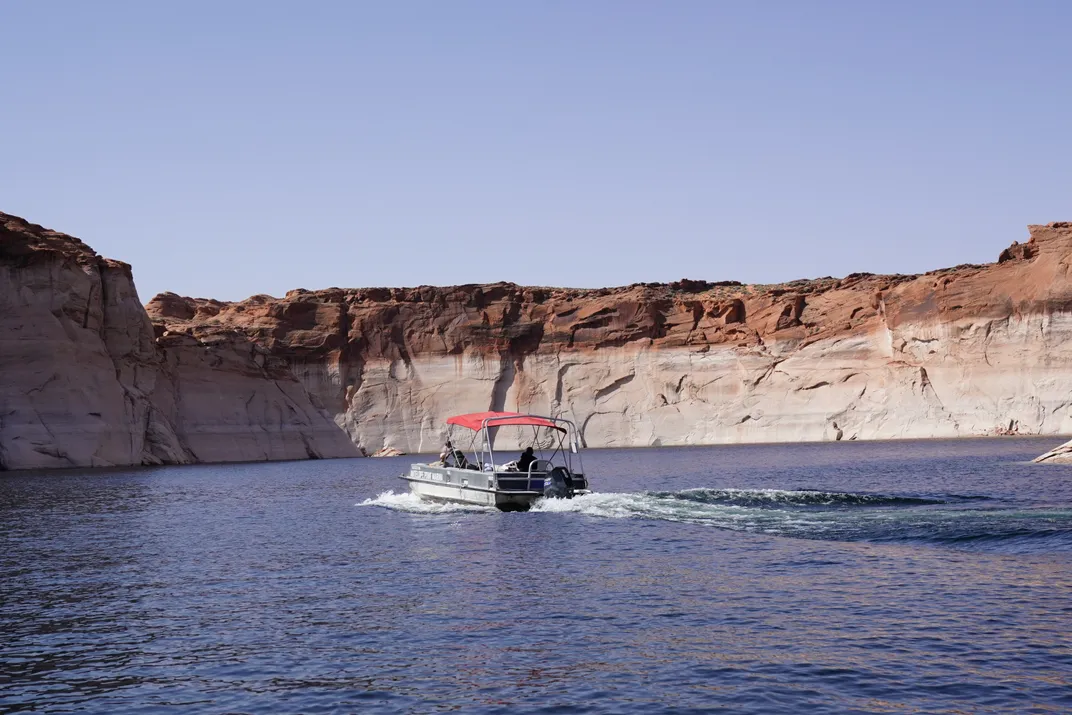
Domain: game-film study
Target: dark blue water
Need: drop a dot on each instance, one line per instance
(896, 577)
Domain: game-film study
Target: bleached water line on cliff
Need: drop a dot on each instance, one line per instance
(971, 378)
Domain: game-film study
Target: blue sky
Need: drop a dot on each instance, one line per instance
(233, 148)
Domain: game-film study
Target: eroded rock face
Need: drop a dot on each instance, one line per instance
(77, 364)
(232, 401)
(972, 350)
(84, 380)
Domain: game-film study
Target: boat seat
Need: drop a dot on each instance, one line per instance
(538, 467)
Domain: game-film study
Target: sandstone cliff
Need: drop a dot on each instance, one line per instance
(972, 350)
(85, 380)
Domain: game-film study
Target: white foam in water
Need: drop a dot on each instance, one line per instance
(786, 513)
(644, 506)
(605, 504)
(409, 502)
(735, 517)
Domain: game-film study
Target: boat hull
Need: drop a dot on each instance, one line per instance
(508, 491)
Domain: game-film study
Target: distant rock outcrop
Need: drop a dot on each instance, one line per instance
(1058, 455)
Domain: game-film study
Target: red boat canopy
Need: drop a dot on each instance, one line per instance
(475, 421)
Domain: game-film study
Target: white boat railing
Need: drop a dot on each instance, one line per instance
(568, 442)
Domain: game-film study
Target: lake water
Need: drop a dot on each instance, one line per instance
(858, 577)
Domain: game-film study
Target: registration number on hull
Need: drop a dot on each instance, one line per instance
(429, 476)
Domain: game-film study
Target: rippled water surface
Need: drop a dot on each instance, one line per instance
(895, 577)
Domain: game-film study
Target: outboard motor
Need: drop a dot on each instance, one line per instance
(559, 484)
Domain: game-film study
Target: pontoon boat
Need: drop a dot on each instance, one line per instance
(555, 472)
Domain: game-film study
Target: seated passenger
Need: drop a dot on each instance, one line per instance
(452, 457)
(526, 459)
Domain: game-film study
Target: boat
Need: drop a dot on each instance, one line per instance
(556, 471)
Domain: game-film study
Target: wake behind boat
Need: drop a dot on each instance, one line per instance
(550, 468)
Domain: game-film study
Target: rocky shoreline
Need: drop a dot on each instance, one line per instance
(88, 377)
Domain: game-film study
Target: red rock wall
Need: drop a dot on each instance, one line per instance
(371, 355)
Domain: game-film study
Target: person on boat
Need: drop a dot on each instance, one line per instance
(527, 458)
(451, 454)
